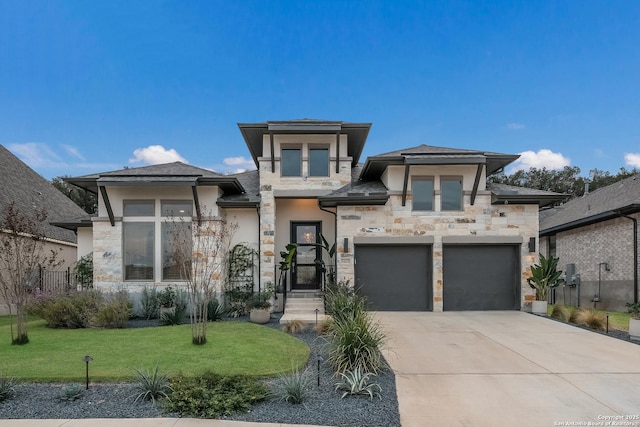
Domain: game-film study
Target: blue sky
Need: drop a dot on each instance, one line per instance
(92, 86)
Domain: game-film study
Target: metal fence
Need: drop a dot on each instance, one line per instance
(45, 281)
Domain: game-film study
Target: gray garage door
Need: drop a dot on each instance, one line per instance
(395, 277)
(481, 277)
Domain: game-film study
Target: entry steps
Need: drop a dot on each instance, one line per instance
(302, 306)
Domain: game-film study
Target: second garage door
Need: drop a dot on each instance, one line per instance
(481, 277)
(395, 277)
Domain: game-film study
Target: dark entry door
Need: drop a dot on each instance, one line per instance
(305, 273)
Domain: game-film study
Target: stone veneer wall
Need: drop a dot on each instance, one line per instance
(481, 219)
(608, 241)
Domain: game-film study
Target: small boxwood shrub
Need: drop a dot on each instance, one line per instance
(212, 395)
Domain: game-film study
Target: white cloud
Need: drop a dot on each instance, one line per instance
(632, 159)
(73, 151)
(36, 154)
(515, 126)
(241, 163)
(156, 154)
(544, 158)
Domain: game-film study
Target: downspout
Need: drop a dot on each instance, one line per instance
(259, 257)
(335, 236)
(635, 257)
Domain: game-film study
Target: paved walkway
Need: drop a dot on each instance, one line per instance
(509, 369)
(138, 422)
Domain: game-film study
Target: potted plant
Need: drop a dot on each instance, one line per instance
(259, 306)
(544, 276)
(634, 320)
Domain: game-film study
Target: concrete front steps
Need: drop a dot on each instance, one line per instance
(302, 306)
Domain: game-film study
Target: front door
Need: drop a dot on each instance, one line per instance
(305, 273)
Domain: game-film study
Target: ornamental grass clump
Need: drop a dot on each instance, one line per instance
(294, 326)
(7, 386)
(151, 385)
(592, 319)
(293, 388)
(560, 312)
(70, 392)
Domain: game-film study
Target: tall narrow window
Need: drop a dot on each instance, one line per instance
(318, 162)
(451, 194)
(291, 162)
(138, 244)
(177, 250)
(422, 194)
(552, 246)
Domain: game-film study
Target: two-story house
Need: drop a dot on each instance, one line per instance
(415, 229)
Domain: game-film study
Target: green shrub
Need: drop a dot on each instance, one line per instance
(172, 317)
(72, 310)
(114, 312)
(212, 395)
(149, 303)
(215, 310)
(356, 383)
(560, 312)
(70, 392)
(151, 385)
(342, 301)
(84, 271)
(7, 386)
(354, 341)
(237, 299)
(293, 388)
(167, 297)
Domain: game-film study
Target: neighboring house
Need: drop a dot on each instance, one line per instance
(598, 234)
(31, 192)
(416, 229)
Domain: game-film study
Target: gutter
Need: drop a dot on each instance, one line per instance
(635, 255)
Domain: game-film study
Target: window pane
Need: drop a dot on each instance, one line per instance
(318, 162)
(306, 234)
(177, 208)
(291, 162)
(177, 250)
(451, 193)
(138, 243)
(422, 194)
(139, 207)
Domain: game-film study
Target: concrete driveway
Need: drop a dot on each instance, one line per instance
(509, 369)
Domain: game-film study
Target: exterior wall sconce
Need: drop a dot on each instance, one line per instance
(532, 244)
(345, 246)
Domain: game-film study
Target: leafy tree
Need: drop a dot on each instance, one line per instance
(83, 198)
(22, 252)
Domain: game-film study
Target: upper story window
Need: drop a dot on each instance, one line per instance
(291, 162)
(318, 162)
(451, 194)
(422, 194)
(139, 208)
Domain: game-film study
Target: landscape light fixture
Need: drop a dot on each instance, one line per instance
(87, 359)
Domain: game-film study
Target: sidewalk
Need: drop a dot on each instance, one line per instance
(139, 422)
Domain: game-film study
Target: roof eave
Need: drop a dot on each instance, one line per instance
(328, 202)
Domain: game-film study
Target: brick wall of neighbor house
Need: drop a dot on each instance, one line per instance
(481, 219)
(586, 247)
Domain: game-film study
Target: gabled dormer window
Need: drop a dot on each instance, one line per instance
(291, 162)
(318, 162)
(451, 193)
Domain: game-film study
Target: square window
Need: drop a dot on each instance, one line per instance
(139, 207)
(318, 162)
(291, 162)
(422, 194)
(138, 243)
(451, 194)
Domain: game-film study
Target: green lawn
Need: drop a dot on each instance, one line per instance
(232, 348)
(617, 319)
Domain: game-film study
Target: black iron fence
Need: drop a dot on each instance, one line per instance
(45, 281)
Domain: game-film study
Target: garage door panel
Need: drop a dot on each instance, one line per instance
(481, 277)
(395, 277)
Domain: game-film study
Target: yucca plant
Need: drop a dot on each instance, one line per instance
(356, 382)
(293, 388)
(7, 386)
(70, 392)
(151, 385)
(545, 276)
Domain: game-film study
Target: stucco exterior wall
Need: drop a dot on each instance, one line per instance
(608, 242)
(85, 241)
(480, 220)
